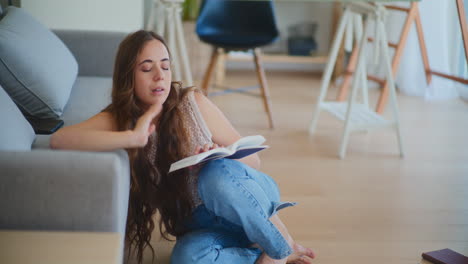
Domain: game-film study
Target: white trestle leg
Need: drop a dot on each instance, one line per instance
(358, 116)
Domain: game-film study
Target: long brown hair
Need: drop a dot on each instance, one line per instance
(152, 190)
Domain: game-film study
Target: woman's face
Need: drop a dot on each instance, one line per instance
(153, 73)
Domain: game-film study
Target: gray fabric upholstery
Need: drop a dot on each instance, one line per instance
(15, 132)
(47, 189)
(64, 190)
(36, 68)
(94, 50)
(41, 142)
(89, 96)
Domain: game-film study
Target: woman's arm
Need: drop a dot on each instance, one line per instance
(99, 133)
(223, 132)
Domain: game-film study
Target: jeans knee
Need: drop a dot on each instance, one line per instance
(212, 179)
(217, 179)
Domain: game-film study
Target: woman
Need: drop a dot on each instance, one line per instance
(223, 212)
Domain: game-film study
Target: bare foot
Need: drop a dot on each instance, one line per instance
(301, 255)
(265, 259)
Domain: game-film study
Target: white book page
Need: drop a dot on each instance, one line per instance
(248, 141)
(245, 142)
(192, 160)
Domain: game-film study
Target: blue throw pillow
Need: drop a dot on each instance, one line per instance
(36, 69)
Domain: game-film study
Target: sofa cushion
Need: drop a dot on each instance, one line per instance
(15, 133)
(81, 105)
(36, 69)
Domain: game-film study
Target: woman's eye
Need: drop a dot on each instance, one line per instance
(166, 69)
(146, 70)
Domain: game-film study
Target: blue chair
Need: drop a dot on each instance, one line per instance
(238, 25)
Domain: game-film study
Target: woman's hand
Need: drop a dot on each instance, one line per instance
(207, 147)
(145, 126)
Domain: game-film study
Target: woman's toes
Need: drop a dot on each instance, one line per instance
(301, 250)
(310, 253)
(299, 260)
(304, 260)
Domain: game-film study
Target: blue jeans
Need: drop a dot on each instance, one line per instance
(238, 202)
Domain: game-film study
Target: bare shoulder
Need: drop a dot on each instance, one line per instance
(198, 96)
(221, 128)
(202, 101)
(223, 132)
(101, 121)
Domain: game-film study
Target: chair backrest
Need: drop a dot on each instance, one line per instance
(237, 24)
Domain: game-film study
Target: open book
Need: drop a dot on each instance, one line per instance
(241, 148)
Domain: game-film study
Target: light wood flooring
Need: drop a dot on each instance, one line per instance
(372, 207)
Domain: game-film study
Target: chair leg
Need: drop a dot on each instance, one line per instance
(209, 71)
(220, 72)
(263, 87)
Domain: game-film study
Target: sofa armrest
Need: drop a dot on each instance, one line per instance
(94, 50)
(64, 190)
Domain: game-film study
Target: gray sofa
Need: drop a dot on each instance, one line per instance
(44, 189)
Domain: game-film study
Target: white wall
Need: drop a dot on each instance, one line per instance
(297, 12)
(109, 15)
(291, 12)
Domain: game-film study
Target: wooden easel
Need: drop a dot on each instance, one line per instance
(413, 17)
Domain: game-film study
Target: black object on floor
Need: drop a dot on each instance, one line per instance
(445, 256)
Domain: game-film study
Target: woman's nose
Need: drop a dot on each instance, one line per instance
(158, 75)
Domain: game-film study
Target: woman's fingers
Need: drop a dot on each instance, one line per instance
(151, 129)
(144, 126)
(206, 147)
(198, 150)
(145, 120)
(151, 113)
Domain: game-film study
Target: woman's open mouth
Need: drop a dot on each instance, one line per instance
(157, 91)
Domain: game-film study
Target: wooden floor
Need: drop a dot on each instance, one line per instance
(372, 207)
